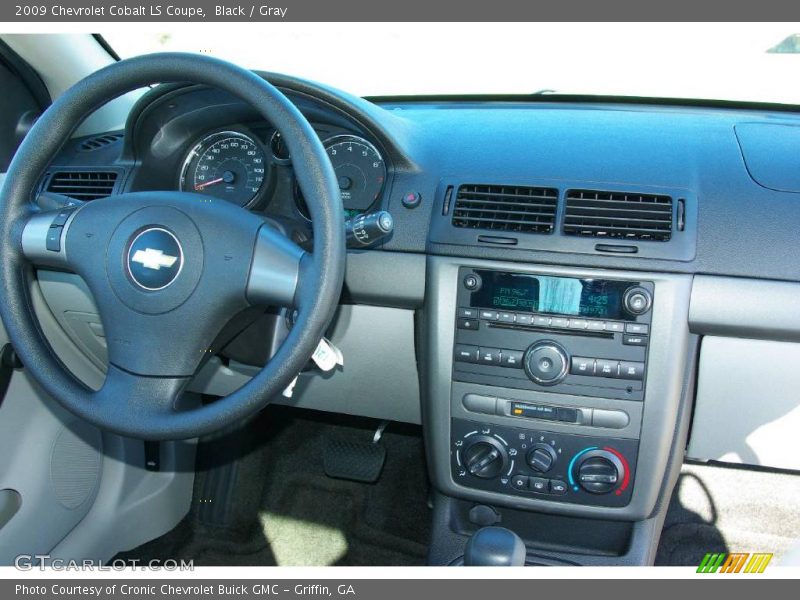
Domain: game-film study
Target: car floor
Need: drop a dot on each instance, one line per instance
(717, 508)
(262, 498)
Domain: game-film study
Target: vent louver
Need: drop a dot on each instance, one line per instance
(100, 141)
(82, 185)
(505, 208)
(631, 216)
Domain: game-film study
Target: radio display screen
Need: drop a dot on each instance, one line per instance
(593, 298)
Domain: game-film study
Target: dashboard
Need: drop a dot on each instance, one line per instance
(543, 300)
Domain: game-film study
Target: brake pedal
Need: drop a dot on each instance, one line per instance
(356, 461)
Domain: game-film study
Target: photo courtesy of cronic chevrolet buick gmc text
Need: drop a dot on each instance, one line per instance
(460, 314)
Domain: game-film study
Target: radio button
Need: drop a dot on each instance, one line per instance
(631, 370)
(465, 353)
(637, 300)
(541, 321)
(578, 323)
(546, 363)
(612, 419)
(468, 324)
(489, 356)
(489, 315)
(472, 282)
(505, 317)
(606, 368)
(596, 326)
(524, 319)
(480, 404)
(637, 328)
(582, 366)
(614, 327)
(511, 358)
(468, 313)
(634, 340)
(559, 322)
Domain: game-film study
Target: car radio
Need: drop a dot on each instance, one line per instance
(578, 336)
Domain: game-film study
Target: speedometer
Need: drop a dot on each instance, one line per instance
(228, 165)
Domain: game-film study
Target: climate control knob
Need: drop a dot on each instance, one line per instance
(599, 471)
(546, 362)
(541, 458)
(485, 458)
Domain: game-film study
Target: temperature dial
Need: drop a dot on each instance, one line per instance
(485, 458)
(599, 471)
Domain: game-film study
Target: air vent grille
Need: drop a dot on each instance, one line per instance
(506, 208)
(101, 141)
(83, 185)
(622, 215)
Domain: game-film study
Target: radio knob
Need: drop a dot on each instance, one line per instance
(485, 458)
(637, 300)
(546, 362)
(541, 458)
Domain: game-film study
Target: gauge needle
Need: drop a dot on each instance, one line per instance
(202, 186)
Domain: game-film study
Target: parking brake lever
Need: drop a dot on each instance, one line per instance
(367, 230)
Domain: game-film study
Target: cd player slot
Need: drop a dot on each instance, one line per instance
(532, 328)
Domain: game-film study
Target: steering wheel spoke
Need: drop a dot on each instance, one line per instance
(44, 237)
(275, 270)
(139, 397)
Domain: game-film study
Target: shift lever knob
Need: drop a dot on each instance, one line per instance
(494, 547)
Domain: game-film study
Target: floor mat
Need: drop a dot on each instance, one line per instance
(728, 509)
(285, 511)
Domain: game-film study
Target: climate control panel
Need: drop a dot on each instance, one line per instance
(551, 466)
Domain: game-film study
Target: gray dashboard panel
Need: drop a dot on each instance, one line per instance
(747, 409)
(379, 377)
(669, 352)
(748, 308)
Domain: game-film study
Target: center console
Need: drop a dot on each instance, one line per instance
(555, 390)
(578, 337)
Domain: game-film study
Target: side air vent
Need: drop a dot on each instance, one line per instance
(101, 141)
(82, 185)
(505, 208)
(622, 215)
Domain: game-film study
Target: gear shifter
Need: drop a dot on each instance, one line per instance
(494, 547)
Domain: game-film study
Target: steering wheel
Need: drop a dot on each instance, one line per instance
(168, 269)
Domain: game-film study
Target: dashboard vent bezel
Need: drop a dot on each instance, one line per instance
(83, 184)
(618, 215)
(100, 141)
(514, 209)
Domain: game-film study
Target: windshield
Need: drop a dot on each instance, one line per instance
(744, 62)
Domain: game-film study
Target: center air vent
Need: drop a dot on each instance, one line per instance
(623, 215)
(83, 185)
(506, 208)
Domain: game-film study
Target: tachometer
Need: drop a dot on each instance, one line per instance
(228, 165)
(359, 168)
(360, 171)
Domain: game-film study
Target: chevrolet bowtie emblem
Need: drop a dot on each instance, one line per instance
(153, 259)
